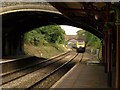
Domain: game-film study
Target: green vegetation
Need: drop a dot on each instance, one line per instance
(46, 34)
(46, 51)
(45, 41)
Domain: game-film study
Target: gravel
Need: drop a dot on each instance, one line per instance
(30, 79)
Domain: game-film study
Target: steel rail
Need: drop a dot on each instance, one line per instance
(60, 57)
(46, 76)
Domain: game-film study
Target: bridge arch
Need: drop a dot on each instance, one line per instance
(20, 9)
(16, 20)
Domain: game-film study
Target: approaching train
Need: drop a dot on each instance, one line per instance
(80, 46)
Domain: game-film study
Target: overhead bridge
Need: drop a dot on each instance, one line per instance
(20, 18)
(102, 19)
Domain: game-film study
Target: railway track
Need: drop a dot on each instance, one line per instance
(36, 77)
(12, 63)
(26, 70)
(56, 74)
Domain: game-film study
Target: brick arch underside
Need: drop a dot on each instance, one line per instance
(15, 24)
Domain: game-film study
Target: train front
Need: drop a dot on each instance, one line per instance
(80, 46)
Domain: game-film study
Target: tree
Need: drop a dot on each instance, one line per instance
(50, 34)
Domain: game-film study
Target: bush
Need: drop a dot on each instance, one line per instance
(46, 34)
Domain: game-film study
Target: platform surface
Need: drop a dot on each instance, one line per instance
(83, 76)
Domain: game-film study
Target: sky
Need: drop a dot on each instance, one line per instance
(69, 30)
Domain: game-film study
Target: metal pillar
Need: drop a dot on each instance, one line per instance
(106, 39)
(109, 57)
(117, 84)
(118, 56)
(105, 51)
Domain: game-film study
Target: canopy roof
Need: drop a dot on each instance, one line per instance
(92, 15)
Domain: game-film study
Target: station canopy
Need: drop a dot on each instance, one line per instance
(90, 15)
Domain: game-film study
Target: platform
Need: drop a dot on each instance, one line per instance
(83, 75)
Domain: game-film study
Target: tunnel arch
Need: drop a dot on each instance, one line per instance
(16, 20)
(47, 9)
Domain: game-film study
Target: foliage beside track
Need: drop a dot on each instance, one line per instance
(45, 41)
(45, 34)
(46, 51)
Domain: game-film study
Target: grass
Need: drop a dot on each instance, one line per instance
(47, 50)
